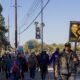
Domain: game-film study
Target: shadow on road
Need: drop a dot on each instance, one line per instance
(48, 77)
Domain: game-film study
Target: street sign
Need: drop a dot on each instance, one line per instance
(30, 45)
(20, 49)
(74, 35)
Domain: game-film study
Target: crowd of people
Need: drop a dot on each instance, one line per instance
(16, 65)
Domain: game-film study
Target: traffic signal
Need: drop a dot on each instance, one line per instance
(38, 36)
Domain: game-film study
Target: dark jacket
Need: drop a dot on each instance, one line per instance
(32, 61)
(43, 60)
(55, 57)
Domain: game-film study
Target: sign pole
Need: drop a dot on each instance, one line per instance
(75, 46)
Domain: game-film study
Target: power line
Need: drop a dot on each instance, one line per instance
(35, 17)
(36, 8)
(33, 6)
(31, 11)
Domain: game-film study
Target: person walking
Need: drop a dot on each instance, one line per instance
(22, 61)
(55, 60)
(15, 69)
(0, 63)
(26, 76)
(24, 66)
(8, 63)
(68, 63)
(26, 59)
(32, 62)
(43, 63)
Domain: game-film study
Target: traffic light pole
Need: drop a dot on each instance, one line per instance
(75, 46)
(42, 25)
(16, 43)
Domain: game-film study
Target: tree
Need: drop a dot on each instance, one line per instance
(54, 45)
(3, 39)
(60, 46)
(49, 48)
(35, 44)
(26, 49)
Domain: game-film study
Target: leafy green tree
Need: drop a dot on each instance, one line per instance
(54, 45)
(3, 40)
(26, 49)
(49, 48)
(60, 46)
(36, 46)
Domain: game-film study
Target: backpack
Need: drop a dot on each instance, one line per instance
(15, 67)
(44, 60)
(32, 61)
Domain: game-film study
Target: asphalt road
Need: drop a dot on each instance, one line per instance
(49, 76)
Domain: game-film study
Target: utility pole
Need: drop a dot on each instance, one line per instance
(42, 25)
(19, 36)
(16, 43)
(8, 30)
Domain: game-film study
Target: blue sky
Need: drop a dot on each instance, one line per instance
(57, 17)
